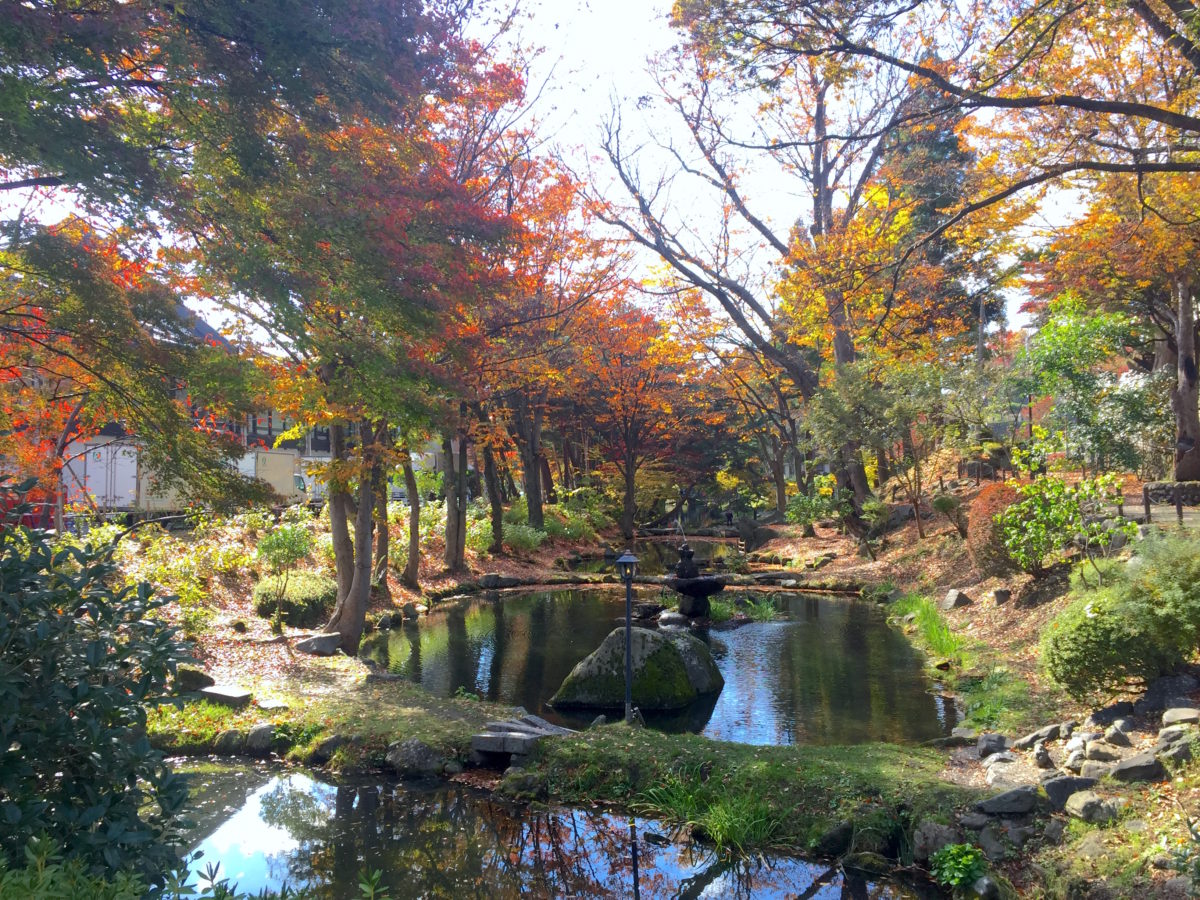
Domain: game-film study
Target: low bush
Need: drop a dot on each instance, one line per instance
(985, 537)
(308, 598)
(80, 658)
(522, 538)
(957, 865)
(1144, 623)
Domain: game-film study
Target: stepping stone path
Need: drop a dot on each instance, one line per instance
(226, 695)
(516, 737)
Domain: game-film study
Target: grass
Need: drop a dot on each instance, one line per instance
(748, 797)
(932, 628)
(762, 610)
(375, 714)
(720, 610)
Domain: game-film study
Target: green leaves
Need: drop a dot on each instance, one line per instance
(77, 659)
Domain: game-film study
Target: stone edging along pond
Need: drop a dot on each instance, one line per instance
(788, 580)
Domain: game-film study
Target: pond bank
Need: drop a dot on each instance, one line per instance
(822, 801)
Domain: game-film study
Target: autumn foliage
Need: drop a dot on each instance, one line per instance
(985, 542)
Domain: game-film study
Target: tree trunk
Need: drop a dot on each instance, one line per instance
(338, 504)
(491, 483)
(412, 566)
(1185, 398)
(527, 433)
(351, 612)
(453, 519)
(882, 470)
(548, 481)
(629, 507)
(460, 550)
(379, 577)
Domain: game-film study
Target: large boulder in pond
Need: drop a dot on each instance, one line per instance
(669, 672)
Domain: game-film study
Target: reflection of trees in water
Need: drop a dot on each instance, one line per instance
(454, 843)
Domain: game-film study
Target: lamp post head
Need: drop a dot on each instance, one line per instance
(626, 563)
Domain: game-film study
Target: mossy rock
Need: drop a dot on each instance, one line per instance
(192, 678)
(670, 671)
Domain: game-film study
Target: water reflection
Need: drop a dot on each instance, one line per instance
(830, 671)
(658, 556)
(451, 841)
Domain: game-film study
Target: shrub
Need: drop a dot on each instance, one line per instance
(957, 865)
(282, 548)
(308, 598)
(79, 658)
(1145, 623)
(522, 538)
(985, 537)
(951, 507)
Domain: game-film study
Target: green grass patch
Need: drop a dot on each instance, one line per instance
(932, 628)
(762, 610)
(748, 797)
(720, 610)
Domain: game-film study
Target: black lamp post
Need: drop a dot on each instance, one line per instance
(626, 564)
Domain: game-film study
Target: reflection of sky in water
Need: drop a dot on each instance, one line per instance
(452, 842)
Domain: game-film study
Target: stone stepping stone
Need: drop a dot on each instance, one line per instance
(226, 695)
(1181, 715)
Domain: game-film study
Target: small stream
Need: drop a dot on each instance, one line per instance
(829, 670)
(268, 828)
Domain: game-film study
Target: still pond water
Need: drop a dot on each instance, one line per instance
(268, 829)
(827, 671)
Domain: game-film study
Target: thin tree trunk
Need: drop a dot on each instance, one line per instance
(548, 481)
(629, 507)
(449, 555)
(460, 550)
(412, 566)
(491, 484)
(343, 547)
(1185, 399)
(379, 578)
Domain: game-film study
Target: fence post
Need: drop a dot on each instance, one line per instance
(1146, 501)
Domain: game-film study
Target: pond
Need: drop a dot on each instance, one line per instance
(827, 671)
(267, 829)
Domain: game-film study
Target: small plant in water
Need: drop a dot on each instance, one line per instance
(762, 610)
(957, 865)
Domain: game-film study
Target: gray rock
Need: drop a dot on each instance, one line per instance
(598, 721)
(259, 739)
(1142, 767)
(992, 844)
(491, 581)
(1180, 887)
(1177, 753)
(1017, 801)
(669, 672)
(973, 820)
(836, 841)
(452, 767)
(409, 611)
(1096, 769)
(230, 742)
(270, 705)
(413, 758)
(192, 678)
(1004, 775)
(1174, 734)
(1049, 733)
(985, 888)
(1001, 758)
(1074, 761)
(671, 617)
(1041, 757)
(1163, 693)
(1080, 741)
(1101, 751)
(321, 644)
(1059, 789)
(1001, 596)
(989, 744)
(1117, 738)
(1181, 715)
(964, 736)
(226, 695)
(323, 752)
(1092, 846)
(1019, 835)
(1123, 724)
(1053, 832)
(1109, 714)
(954, 599)
(1091, 807)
